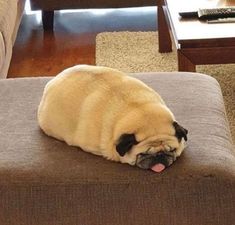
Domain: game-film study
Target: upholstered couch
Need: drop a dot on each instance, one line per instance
(44, 181)
(10, 17)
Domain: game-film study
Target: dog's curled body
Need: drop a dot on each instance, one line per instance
(93, 107)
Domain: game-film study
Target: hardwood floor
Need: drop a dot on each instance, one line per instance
(39, 53)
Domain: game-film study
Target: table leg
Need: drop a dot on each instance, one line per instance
(184, 64)
(164, 38)
(48, 20)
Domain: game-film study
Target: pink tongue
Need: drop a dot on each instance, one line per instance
(158, 168)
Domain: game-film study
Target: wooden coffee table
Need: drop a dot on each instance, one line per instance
(197, 42)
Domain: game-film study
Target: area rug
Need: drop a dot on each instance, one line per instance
(138, 52)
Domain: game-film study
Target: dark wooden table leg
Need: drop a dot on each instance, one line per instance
(184, 64)
(164, 38)
(48, 20)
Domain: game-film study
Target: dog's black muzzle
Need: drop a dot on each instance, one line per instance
(147, 161)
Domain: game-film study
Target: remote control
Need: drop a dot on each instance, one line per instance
(188, 14)
(215, 13)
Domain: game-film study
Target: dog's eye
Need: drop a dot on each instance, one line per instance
(173, 150)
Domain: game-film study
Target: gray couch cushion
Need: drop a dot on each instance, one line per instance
(44, 181)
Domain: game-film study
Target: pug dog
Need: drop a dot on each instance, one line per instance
(109, 113)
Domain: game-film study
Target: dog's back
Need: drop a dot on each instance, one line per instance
(84, 103)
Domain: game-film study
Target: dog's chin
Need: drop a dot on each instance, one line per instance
(149, 161)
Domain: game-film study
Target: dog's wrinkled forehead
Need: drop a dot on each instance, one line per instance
(180, 132)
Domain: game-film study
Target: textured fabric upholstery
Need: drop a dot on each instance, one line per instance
(10, 16)
(2, 51)
(43, 181)
(81, 4)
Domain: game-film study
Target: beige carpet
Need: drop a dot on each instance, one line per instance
(138, 52)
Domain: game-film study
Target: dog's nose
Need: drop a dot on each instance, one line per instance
(165, 157)
(161, 157)
(146, 161)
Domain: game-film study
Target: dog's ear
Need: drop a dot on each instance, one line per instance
(180, 132)
(125, 143)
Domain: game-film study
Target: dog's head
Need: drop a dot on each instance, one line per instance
(154, 139)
